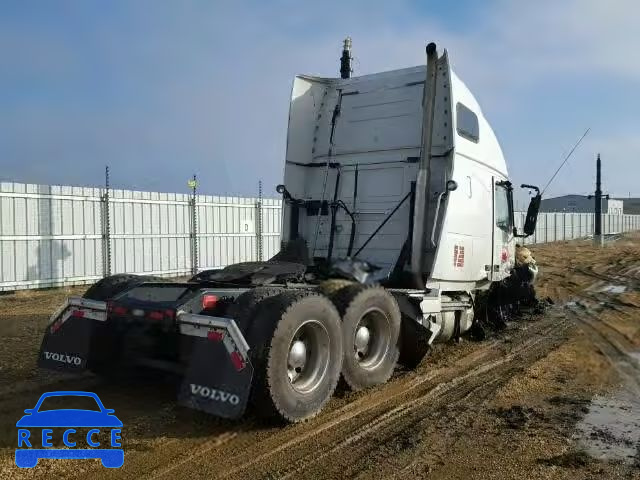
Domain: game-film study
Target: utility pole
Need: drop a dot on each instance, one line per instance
(597, 224)
(597, 233)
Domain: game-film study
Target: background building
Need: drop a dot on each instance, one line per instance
(583, 204)
(631, 206)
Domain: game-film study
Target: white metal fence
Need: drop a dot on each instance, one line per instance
(57, 235)
(554, 227)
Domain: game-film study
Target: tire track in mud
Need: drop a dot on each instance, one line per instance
(285, 437)
(399, 414)
(612, 343)
(617, 348)
(85, 380)
(298, 447)
(281, 438)
(246, 434)
(355, 453)
(201, 449)
(627, 276)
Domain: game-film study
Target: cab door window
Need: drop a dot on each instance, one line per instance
(503, 208)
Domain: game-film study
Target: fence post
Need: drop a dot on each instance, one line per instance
(193, 226)
(573, 227)
(579, 225)
(106, 227)
(259, 239)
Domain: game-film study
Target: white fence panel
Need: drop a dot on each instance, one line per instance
(552, 227)
(53, 235)
(149, 233)
(271, 224)
(49, 235)
(226, 231)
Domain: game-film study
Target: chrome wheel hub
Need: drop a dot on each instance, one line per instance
(308, 356)
(372, 338)
(297, 356)
(362, 340)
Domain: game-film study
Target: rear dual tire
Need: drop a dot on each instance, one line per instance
(302, 343)
(371, 323)
(297, 354)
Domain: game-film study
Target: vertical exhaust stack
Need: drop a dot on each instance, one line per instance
(345, 60)
(418, 244)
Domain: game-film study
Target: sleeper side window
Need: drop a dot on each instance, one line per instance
(467, 122)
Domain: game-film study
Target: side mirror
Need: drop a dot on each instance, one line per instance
(532, 215)
(452, 185)
(29, 411)
(109, 411)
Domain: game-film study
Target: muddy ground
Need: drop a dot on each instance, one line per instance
(553, 397)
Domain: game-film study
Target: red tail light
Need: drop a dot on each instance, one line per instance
(170, 313)
(155, 315)
(215, 336)
(78, 313)
(209, 301)
(237, 361)
(117, 310)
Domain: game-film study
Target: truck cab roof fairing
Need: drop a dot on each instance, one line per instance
(487, 150)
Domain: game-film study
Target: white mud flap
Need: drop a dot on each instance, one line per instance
(67, 340)
(219, 374)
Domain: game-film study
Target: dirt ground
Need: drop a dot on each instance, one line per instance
(554, 397)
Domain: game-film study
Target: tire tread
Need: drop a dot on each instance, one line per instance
(343, 300)
(272, 309)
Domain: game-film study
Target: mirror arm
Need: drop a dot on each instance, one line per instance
(532, 187)
(519, 235)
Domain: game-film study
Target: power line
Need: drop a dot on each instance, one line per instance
(566, 158)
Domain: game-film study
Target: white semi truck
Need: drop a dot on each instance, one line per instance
(398, 224)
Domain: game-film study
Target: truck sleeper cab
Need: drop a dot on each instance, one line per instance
(397, 215)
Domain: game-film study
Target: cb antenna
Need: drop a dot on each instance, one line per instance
(345, 60)
(566, 158)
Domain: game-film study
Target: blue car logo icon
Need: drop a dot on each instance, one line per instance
(28, 453)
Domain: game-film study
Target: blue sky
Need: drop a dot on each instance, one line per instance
(162, 90)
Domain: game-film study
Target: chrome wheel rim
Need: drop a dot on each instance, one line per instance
(372, 338)
(308, 356)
